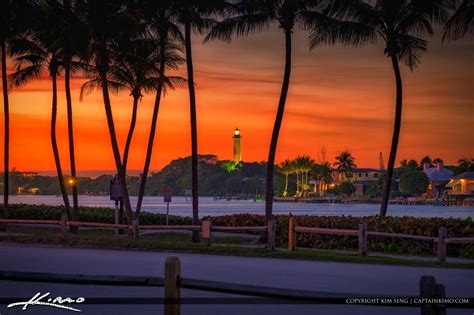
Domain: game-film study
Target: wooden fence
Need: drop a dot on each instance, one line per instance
(173, 283)
(363, 233)
(206, 227)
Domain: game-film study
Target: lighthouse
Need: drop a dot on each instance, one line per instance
(237, 152)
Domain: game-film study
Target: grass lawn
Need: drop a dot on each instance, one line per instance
(181, 242)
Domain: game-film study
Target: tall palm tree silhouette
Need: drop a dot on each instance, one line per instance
(110, 27)
(251, 16)
(32, 57)
(400, 24)
(71, 40)
(136, 70)
(195, 16)
(461, 22)
(5, 20)
(160, 19)
(12, 22)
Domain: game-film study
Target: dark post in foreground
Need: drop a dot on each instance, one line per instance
(271, 234)
(172, 290)
(430, 289)
(291, 234)
(206, 230)
(363, 239)
(442, 235)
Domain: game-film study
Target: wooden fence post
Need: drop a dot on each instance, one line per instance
(206, 230)
(271, 234)
(428, 290)
(442, 235)
(172, 290)
(117, 217)
(363, 238)
(134, 228)
(291, 234)
(63, 224)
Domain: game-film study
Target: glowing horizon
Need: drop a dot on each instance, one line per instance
(342, 98)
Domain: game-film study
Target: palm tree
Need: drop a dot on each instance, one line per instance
(323, 173)
(461, 22)
(160, 19)
(109, 27)
(32, 58)
(12, 22)
(437, 161)
(404, 164)
(72, 40)
(135, 69)
(345, 163)
(425, 159)
(195, 16)
(285, 169)
(5, 20)
(400, 25)
(251, 16)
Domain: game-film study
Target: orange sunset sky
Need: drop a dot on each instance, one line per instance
(339, 97)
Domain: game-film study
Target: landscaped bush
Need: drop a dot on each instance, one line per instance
(406, 225)
(87, 214)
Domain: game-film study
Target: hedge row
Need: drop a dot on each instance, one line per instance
(406, 225)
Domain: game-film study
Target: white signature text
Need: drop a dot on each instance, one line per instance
(45, 300)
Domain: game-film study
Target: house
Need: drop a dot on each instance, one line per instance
(439, 176)
(357, 174)
(360, 178)
(462, 184)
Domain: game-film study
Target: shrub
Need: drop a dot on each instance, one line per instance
(414, 183)
(406, 225)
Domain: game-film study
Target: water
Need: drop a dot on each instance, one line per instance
(209, 207)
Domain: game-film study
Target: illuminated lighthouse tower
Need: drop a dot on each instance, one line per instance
(237, 152)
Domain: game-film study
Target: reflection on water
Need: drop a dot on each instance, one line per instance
(210, 207)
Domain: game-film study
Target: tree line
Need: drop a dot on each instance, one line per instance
(133, 44)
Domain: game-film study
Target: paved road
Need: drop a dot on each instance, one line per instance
(309, 275)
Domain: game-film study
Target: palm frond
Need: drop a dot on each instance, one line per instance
(410, 50)
(23, 75)
(242, 25)
(460, 23)
(326, 30)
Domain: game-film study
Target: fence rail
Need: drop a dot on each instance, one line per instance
(206, 227)
(442, 240)
(173, 282)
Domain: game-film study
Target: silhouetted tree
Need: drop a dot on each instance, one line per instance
(195, 16)
(400, 24)
(461, 22)
(110, 27)
(32, 57)
(251, 16)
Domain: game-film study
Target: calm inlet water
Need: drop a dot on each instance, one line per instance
(209, 207)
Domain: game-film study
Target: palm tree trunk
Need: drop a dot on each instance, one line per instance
(113, 137)
(194, 142)
(286, 184)
(54, 111)
(130, 134)
(297, 183)
(276, 128)
(395, 137)
(154, 120)
(75, 212)
(6, 156)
